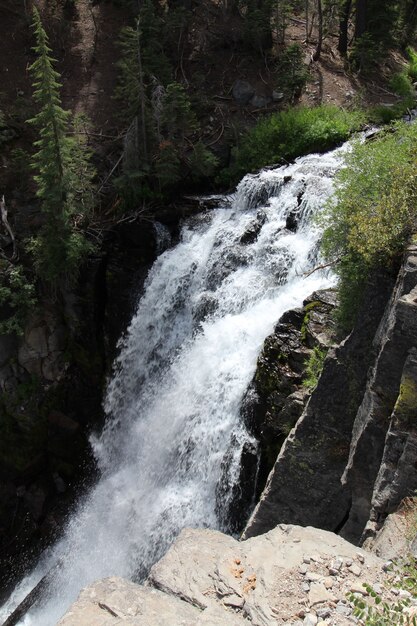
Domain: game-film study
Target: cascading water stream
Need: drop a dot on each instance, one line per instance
(170, 452)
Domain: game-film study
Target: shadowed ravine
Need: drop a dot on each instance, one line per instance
(170, 453)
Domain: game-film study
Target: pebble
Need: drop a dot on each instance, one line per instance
(348, 562)
(404, 594)
(310, 620)
(342, 609)
(307, 560)
(360, 557)
(316, 558)
(356, 570)
(335, 567)
(387, 566)
(303, 569)
(313, 577)
(395, 591)
(323, 613)
(357, 587)
(306, 587)
(377, 588)
(319, 594)
(328, 582)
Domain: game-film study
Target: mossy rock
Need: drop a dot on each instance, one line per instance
(406, 405)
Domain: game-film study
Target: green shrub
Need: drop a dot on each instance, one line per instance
(288, 134)
(400, 84)
(412, 63)
(373, 212)
(314, 367)
(381, 114)
(17, 297)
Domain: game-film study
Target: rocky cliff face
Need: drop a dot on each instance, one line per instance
(278, 394)
(51, 385)
(350, 459)
(381, 469)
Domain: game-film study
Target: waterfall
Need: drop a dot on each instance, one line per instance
(169, 455)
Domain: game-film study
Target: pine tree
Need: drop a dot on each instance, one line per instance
(60, 164)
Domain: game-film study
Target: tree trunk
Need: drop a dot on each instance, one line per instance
(361, 18)
(344, 27)
(307, 18)
(142, 98)
(317, 53)
(409, 21)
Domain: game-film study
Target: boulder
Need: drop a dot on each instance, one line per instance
(260, 102)
(208, 578)
(242, 91)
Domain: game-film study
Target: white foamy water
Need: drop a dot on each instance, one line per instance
(174, 432)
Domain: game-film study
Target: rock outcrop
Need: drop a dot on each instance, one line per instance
(277, 395)
(291, 575)
(351, 457)
(381, 469)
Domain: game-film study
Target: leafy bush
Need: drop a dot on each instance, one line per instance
(400, 84)
(288, 134)
(412, 63)
(373, 211)
(17, 297)
(381, 114)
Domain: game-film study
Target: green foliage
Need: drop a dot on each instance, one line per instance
(177, 118)
(314, 367)
(412, 63)
(17, 298)
(167, 165)
(373, 211)
(203, 163)
(400, 84)
(378, 612)
(257, 32)
(365, 53)
(381, 114)
(288, 134)
(63, 174)
(292, 72)
(159, 147)
(142, 62)
(6, 133)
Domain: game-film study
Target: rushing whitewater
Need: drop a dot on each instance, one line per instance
(174, 434)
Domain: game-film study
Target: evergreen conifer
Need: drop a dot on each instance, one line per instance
(63, 174)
